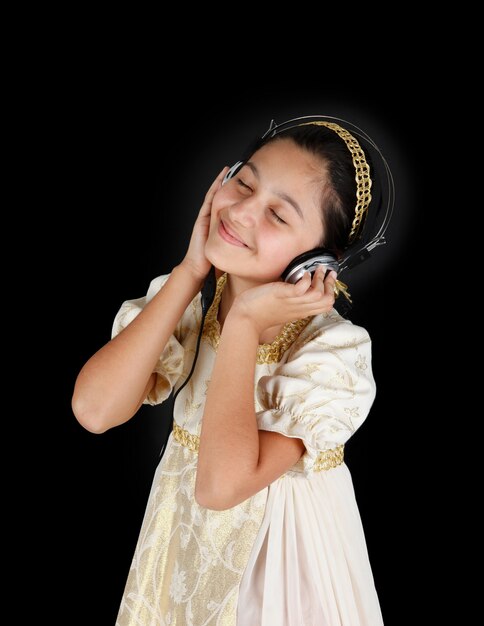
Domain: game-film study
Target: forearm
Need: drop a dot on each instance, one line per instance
(110, 386)
(229, 440)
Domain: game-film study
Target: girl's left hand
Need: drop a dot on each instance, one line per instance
(276, 303)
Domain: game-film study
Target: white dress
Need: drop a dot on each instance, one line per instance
(293, 554)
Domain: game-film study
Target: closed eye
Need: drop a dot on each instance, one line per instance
(241, 183)
(277, 218)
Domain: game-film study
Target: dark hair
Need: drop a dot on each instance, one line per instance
(339, 200)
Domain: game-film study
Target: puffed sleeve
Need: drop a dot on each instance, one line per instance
(170, 364)
(324, 391)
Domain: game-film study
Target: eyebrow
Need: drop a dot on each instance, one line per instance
(281, 195)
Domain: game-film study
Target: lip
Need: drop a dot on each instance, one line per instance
(228, 237)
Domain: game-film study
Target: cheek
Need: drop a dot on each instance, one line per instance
(217, 202)
(276, 250)
(221, 200)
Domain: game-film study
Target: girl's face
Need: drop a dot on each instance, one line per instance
(268, 213)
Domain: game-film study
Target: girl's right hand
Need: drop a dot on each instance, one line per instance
(195, 260)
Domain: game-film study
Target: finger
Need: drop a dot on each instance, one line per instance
(318, 279)
(218, 181)
(303, 284)
(316, 290)
(214, 187)
(314, 306)
(330, 282)
(321, 292)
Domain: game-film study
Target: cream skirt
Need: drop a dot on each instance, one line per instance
(309, 565)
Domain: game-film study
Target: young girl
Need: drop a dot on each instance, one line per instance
(252, 518)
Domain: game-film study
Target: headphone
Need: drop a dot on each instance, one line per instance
(382, 185)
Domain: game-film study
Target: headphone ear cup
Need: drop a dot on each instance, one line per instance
(232, 171)
(309, 261)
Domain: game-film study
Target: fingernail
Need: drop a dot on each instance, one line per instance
(333, 274)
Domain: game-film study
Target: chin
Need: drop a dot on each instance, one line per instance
(215, 258)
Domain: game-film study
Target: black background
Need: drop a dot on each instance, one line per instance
(136, 158)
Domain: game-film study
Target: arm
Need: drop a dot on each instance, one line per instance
(114, 382)
(235, 459)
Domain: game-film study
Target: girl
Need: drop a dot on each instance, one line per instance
(252, 518)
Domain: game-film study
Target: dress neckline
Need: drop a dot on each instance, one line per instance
(266, 352)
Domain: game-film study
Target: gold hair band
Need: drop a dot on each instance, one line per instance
(363, 180)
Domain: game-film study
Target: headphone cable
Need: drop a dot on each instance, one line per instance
(207, 296)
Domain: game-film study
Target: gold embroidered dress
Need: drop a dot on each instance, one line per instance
(294, 554)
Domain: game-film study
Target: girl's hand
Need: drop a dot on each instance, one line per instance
(274, 304)
(195, 259)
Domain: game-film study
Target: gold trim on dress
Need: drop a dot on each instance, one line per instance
(327, 459)
(266, 352)
(192, 442)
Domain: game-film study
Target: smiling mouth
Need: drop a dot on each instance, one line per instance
(228, 237)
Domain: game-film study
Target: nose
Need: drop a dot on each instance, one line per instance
(246, 212)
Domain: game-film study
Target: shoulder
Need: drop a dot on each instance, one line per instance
(133, 307)
(191, 317)
(329, 331)
(323, 389)
(157, 283)
(155, 286)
